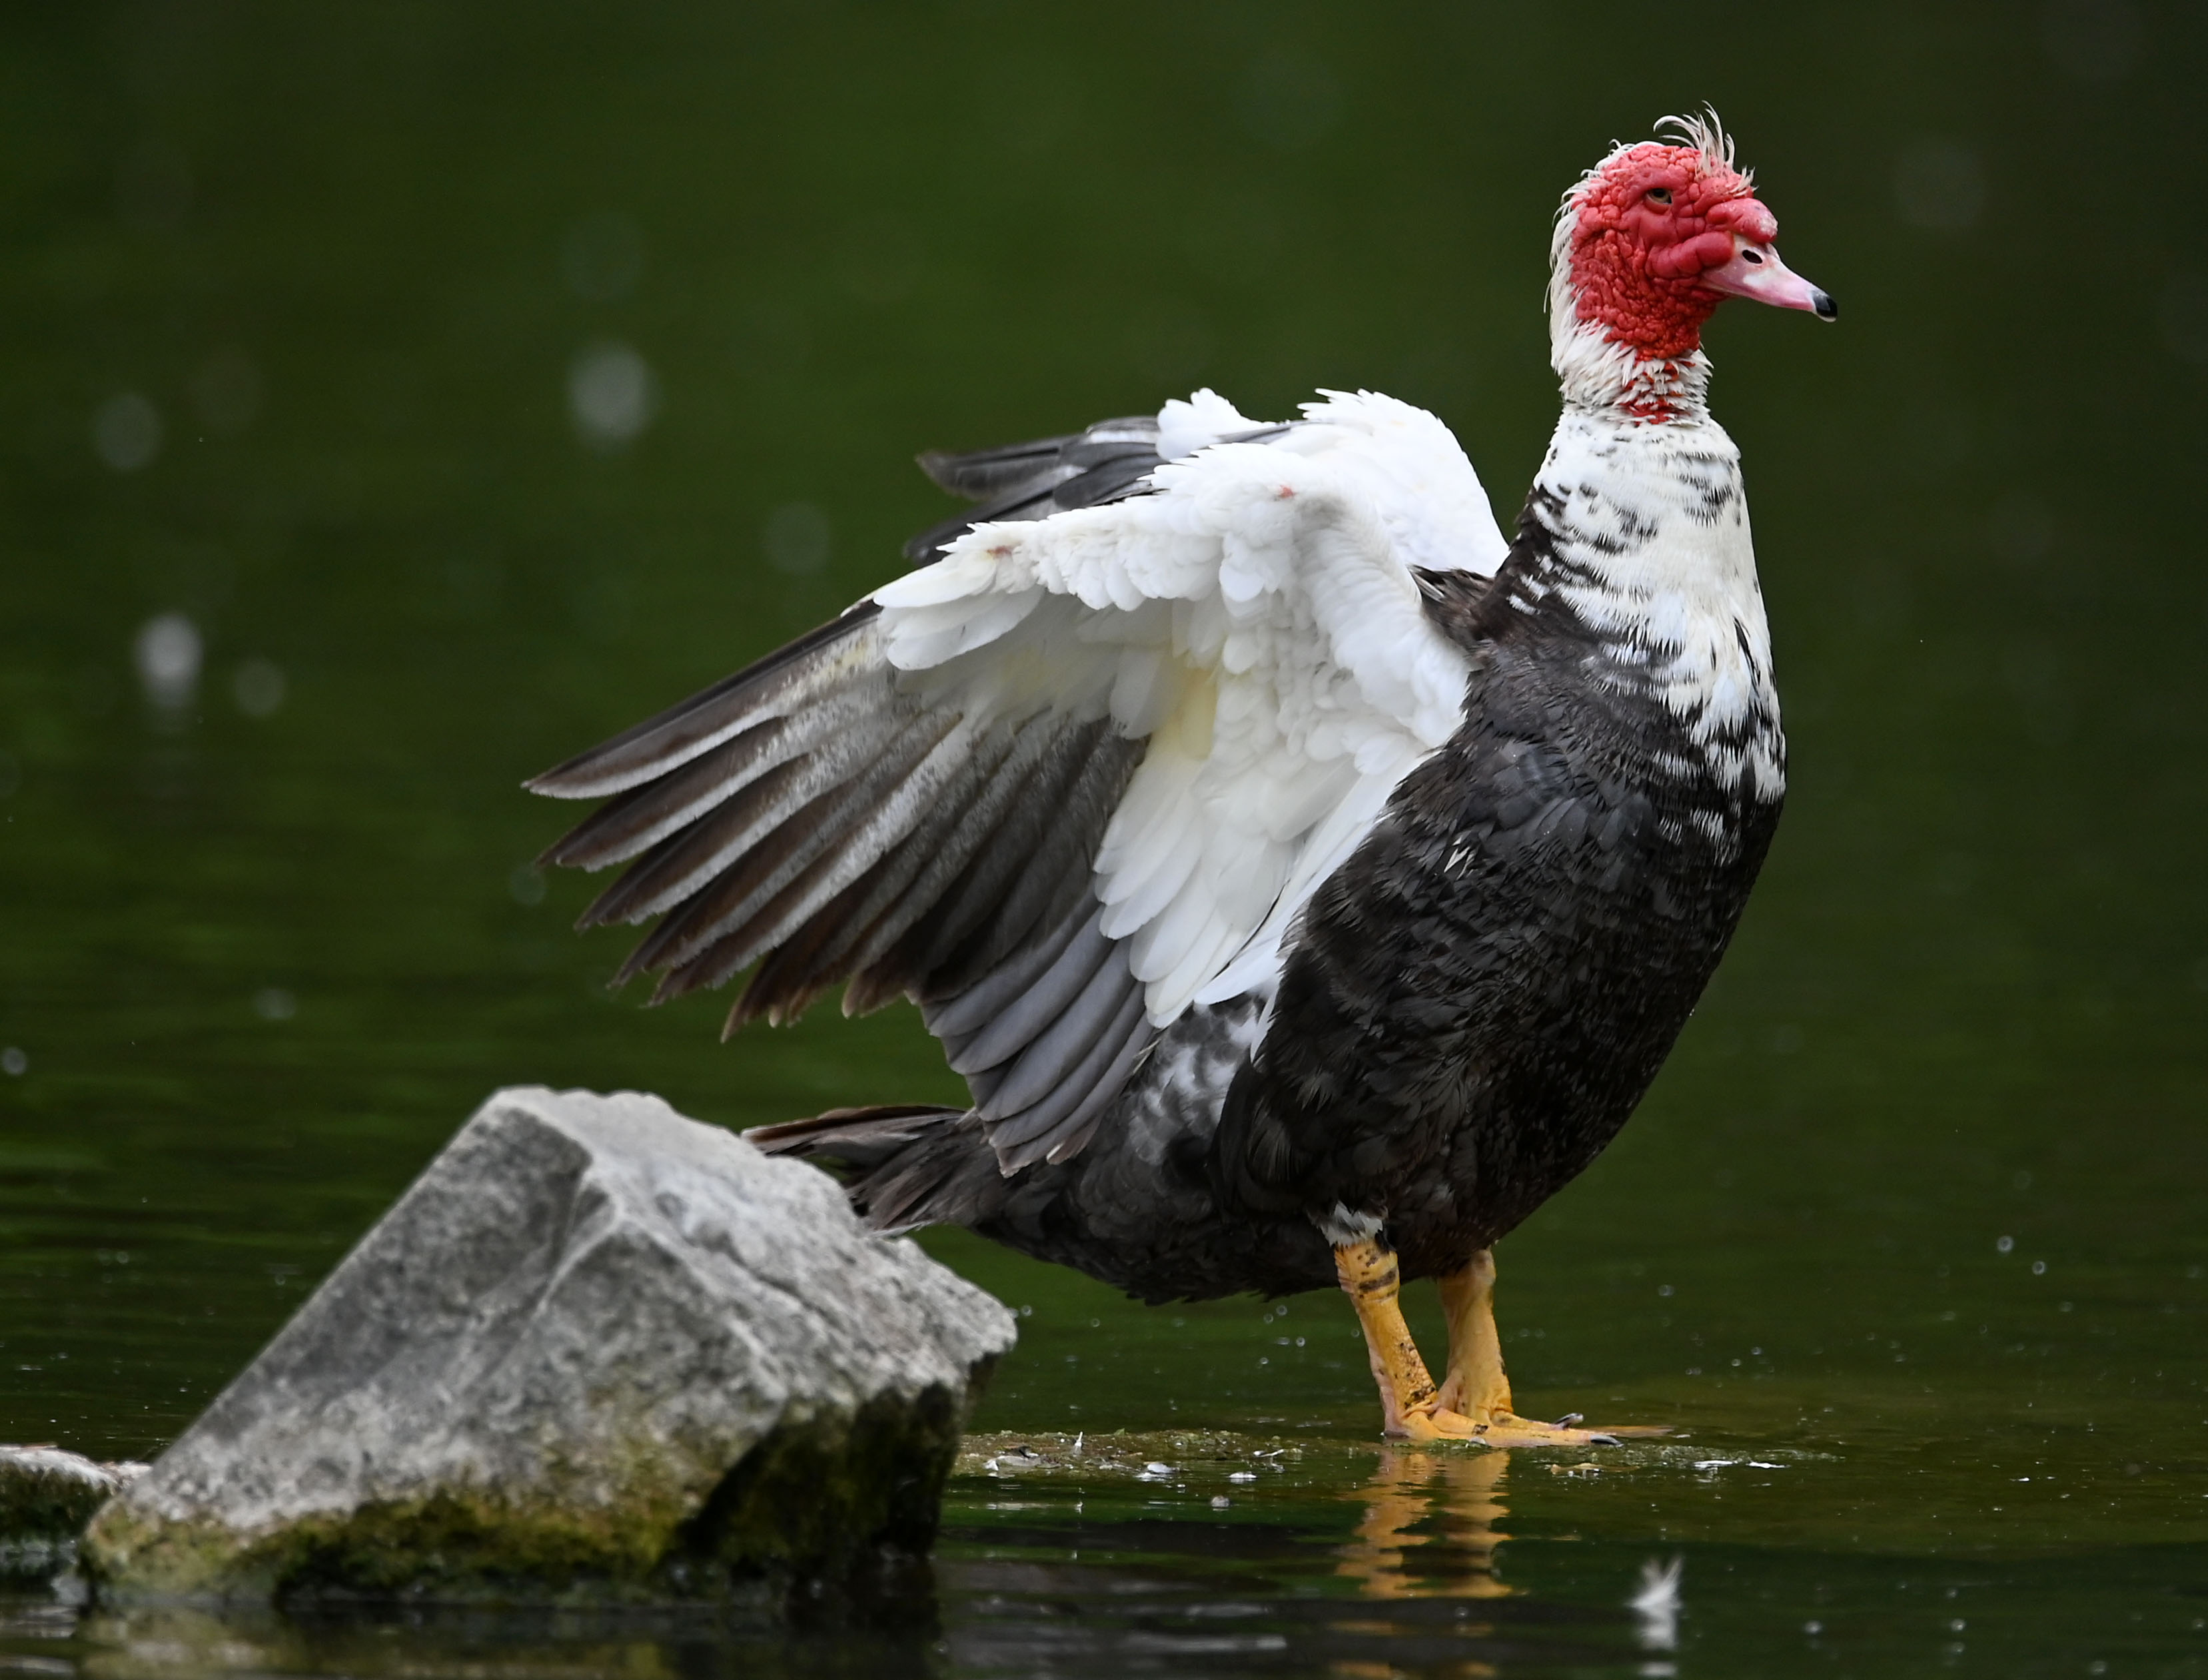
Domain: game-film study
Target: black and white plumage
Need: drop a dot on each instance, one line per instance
(1072, 777)
(1075, 787)
(1281, 855)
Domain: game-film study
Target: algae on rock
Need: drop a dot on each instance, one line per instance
(46, 1496)
(597, 1354)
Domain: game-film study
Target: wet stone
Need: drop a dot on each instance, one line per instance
(46, 1497)
(598, 1353)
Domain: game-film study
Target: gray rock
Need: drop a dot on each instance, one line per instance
(46, 1496)
(599, 1353)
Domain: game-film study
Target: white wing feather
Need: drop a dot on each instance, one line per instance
(1257, 621)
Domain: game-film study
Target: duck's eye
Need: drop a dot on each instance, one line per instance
(1659, 195)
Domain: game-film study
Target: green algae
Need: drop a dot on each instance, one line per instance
(44, 1503)
(847, 1502)
(825, 1501)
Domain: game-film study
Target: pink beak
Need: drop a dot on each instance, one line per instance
(1756, 272)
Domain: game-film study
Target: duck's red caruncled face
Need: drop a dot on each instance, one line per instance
(1663, 235)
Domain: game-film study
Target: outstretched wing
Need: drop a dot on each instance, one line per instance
(1075, 776)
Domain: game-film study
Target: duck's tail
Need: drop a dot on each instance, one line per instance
(902, 1164)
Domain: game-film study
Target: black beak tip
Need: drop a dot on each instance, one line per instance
(1822, 306)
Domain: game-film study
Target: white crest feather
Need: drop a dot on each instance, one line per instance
(1707, 135)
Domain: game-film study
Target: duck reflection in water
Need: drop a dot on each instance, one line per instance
(1430, 1527)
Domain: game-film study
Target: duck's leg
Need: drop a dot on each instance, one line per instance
(1408, 1402)
(1476, 1385)
(1476, 1388)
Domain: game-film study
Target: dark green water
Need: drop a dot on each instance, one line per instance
(294, 305)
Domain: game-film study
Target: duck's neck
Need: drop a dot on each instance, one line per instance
(1638, 530)
(1602, 376)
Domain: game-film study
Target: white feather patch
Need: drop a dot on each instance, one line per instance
(1255, 619)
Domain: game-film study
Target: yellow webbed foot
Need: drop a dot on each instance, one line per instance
(1508, 1429)
(1436, 1425)
(1476, 1389)
(1474, 1403)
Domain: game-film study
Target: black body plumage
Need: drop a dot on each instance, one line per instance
(1473, 1004)
(1479, 1000)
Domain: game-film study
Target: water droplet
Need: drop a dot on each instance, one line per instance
(612, 394)
(167, 653)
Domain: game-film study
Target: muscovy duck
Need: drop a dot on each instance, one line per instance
(1307, 881)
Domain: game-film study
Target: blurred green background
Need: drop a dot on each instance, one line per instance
(396, 398)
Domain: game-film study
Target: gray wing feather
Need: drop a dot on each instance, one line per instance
(1038, 1131)
(1065, 1138)
(982, 474)
(1048, 1057)
(634, 821)
(868, 915)
(1018, 1021)
(680, 865)
(1032, 869)
(817, 664)
(961, 1019)
(1038, 871)
(810, 820)
(812, 856)
(1050, 754)
(1108, 462)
